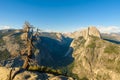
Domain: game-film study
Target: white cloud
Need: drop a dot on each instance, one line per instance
(48, 30)
(103, 29)
(5, 27)
(109, 29)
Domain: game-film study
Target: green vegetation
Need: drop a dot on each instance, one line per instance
(94, 38)
(110, 63)
(93, 42)
(67, 71)
(85, 78)
(1, 41)
(92, 45)
(50, 35)
(111, 60)
(111, 49)
(103, 77)
(4, 33)
(4, 55)
(17, 37)
(118, 67)
(45, 69)
(80, 42)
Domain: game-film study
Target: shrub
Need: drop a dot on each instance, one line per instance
(92, 45)
(4, 55)
(84, 78)
(45, 69)
(93, 42)
(111, 49)
(118, 67)
(67, 71)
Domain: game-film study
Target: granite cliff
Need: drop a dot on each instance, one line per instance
(95, 58)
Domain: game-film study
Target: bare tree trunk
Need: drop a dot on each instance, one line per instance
(26, 63)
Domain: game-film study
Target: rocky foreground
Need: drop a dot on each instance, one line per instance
(17, 74)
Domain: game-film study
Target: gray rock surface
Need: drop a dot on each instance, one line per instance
(90, 31)
(16, 74)
(95, 58)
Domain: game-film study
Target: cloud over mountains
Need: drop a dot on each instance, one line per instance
(5, 27)
(109, 29)
(102, 29)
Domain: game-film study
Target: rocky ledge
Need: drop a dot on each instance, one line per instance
(19, 74)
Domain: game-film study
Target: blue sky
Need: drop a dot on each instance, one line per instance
(60, 15)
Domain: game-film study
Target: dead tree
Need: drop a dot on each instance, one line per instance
(28, 30)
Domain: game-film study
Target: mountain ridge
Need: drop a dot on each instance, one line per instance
(86, 54)
(94, 55)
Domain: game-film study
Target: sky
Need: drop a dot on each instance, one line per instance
(61, 15)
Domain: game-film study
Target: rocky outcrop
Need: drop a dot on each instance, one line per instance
(17, 74)
(90, 31)
(11, 45)
(93, 31)
(95, 58)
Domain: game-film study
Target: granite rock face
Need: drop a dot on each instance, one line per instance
(95, 58)
(16, 74)
(93, 31)
(90, 31)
